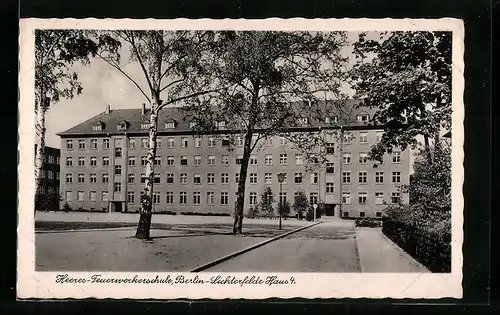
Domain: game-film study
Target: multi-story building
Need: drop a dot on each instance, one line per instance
(103, 167)
(49, 185)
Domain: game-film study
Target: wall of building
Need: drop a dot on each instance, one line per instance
(353, 209)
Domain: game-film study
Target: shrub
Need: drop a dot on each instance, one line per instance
(284, 208)
(66, 207)
(207, 214)
(367, 222)
(253, 212)
(166, 212)
(266, 202)
(301, 204)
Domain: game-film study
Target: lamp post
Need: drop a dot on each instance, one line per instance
(281, 178)
(315, 206)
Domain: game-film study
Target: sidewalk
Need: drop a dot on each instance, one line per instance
(378, 254)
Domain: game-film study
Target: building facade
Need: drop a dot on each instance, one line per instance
(103, 168)
(50, 183)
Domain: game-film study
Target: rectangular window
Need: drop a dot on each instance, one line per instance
(314, 178)
(184, 142)
(330, 168)
(81, 178)
(105, 161)
(210, 198)
(93, 178)
(347, 138)
(362, 214)
(197, 142)
(313, 198)
(253, 159)
(268, 178)
(211, 160)
(284, 178)
(396, 157)
(346, 158)
(239, 141)
(330, 188)
(362, 177)
(157, 161)
(330, 148)
(93, 144)
(57, 160)
(379, 177)
(224, 159)
(363, 158)
(170, 125)
(68, 196)
(363, 137)
(118, 152)
(105, 178)
(170, 143)
(362, 198)
(131, 161)
(225, 142)
(144, 143)
(118, 143)
(183, 197)
(283, 158)
(225, 178)
(131, 143)
(183, 178)
(105, 144)
(170, 178)
(378, 214)
(396, 177)
(298, 159)
(57, 175)
(130, 197)
(92, 195)
(156, 197)
(253, 178)
(282, 197)
(118, 169)
(118, 187)
(131, 178)
(93, 161)
(79, 196)
(395, 197)
(224, 198)
(197, 160)
(170, 161)
(298, 178)
(169, 197)
(81, 144)
(144, 160)
(69, 178)
(158, 143)
(269, 142)
(104, 196)
(239, 158)
(210, 178)
(69, 144)
(253, 198)
(379, 198)
(69, 161)
(184, 160)
(282, 141)
(346, 198)
(268, 159)
(237, 178)
(81, 161)
(378, 136)
(196, 178)
(157, 178)
(196, 198)
(51, 175)
(346, 214)
(211, 142)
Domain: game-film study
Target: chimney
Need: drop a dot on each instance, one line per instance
(143, 109)
(108, 109)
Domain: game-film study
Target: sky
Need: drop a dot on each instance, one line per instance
(104, 85)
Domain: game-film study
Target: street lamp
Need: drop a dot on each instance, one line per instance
(315, 206)
(281, 178)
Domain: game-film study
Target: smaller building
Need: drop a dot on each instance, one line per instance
(48, 195)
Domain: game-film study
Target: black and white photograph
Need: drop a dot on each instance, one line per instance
(241, 159)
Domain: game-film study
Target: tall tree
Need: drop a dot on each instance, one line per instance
(55, 52)
(167, 60)
(407, 77)
(262, 73)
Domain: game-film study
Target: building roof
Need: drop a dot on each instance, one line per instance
(346, 113)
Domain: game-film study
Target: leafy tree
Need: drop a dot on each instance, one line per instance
(407, 77)
(253, 212)
(284, 208)
(169, 60)
(266, 202)
(55, 52)
(301, 204)
(260, 74)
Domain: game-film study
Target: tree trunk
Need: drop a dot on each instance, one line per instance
(146, 211)
(238, 212)
(40, 141)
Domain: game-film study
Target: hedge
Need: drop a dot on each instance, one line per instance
(207, 214)
(430, 247)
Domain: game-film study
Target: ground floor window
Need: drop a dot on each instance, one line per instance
(183, 198)
(362, 214)
(224, 199)
(130, 197)
(378, 214)
(253, 198)
(156, 197)
(196, 198)
(346, 214)
(169, 197)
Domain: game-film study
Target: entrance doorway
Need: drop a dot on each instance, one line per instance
(116, 206)
(330, 210)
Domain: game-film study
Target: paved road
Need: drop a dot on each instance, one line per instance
(327, 247)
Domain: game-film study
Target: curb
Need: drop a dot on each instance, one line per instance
(240, 252)
(402, 252)
(86, 230)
